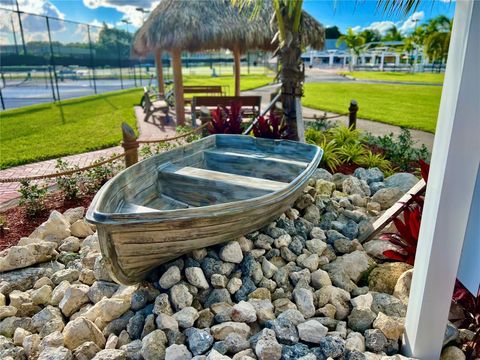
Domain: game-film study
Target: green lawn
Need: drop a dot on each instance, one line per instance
(412, 106)
(397, 76)
(46, 131)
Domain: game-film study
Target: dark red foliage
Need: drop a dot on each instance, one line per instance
(270, 128)
(227, 120)
(424, 169)
(407, 235)
(470, 315)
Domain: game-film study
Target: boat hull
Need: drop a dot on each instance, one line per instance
(133, 244)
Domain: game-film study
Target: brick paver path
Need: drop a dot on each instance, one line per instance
(9, 191)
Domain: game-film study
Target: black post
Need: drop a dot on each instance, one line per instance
(52, 58)
(248, 62)
(14, 35)
(1, 98)
(92, 62)
(21, 29)
(51, 83)
(352, 116)
(134, 76)
(119, 64)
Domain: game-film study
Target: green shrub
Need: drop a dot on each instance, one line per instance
(70, 185)
(344, 135)
(95, 177)
(352, 152)
(370, 160)
(32, 196)
(401, 151)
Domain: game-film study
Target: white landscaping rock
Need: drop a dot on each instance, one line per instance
(170, 277)
(311, 331)
(55, 229)
(153, 345)
(196, 277)
(81, 229)
(391, 327)
(75, 297)
(243, 312)
(221, 331)
(17, 257)
(186, 317)
(74, 214)
(177, 352)
(107, 309)
(232, 252)
(81, 330)
(304, 300)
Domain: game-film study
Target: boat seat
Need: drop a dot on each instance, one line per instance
(228, 178)
(250, 155)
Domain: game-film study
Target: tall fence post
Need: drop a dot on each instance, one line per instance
(52, 58)
(352, 116)
(130, 145)
(1, 99)
(92, 63)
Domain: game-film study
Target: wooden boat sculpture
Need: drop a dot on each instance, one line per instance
(205, 193)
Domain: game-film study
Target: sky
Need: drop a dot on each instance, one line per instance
(357, 14)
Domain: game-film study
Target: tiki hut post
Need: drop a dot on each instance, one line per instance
(237, 61)
(159, 66)
(178, 81)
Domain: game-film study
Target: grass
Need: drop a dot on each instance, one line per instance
(433, 78)
(411, 106)
(46, 131)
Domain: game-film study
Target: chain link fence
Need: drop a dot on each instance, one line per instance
(45, 59)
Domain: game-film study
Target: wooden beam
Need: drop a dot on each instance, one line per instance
(159, 66)
(450, 190)
(237, 65)
(178, 82)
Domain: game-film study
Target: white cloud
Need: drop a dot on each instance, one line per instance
(127, 8)
(409, 24)
(381, 26)
(357, 29)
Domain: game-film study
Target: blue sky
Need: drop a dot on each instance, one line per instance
(358, 14)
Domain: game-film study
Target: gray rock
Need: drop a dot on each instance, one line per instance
(375, 186)
(170, 277)
(110, 354)
(351, 185)
(388, 304)
(361, 319)
(153, 345)
(199, 341)
(186, 317)
(217, 296)
(17, 257)
(311, 331)
(196, 277)
(387, 197)
(323, 174)
(162, 305)
(403, 181)
(285, 331)
(69, 275)
(177, 352)
(332, 346)
(232, 252)
(133, 350)
(24, 279)
(375, 341)
(56, 353)
(304, 300)
(180, 296)
(235, 343)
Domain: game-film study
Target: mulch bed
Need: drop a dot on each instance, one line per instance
(20, 225)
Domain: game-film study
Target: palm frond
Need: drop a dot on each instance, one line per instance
(398, 6)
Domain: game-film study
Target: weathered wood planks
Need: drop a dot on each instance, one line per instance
(199, 195)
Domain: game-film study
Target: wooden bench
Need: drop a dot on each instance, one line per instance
(151, 106)
(250, 104)
(206, 90)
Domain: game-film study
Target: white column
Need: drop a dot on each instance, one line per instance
(397, 59)
(363, 60)
(454, 166)
(330, 59)
(382, 58)
(344, 60)
(311, 57)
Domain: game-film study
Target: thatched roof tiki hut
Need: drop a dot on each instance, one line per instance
(193, 26)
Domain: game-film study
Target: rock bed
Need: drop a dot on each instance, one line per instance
(304, 288)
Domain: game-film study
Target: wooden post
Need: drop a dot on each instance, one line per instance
(130, 145)
(352, 117)
(159, 66)
(178, 83)
(237, 61)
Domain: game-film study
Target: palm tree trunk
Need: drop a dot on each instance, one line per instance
(237, 64)
(159, 66)
(291, 76)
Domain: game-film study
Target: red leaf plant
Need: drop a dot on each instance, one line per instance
(271, 127)
(406, 237)
(467, 316)
(226, 120)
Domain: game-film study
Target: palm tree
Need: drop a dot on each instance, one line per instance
(371, 35)
(393, 34)
(288, 18)
(354, 42)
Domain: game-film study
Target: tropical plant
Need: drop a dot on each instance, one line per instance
(406, 237)
(354, 42)
(466, 315)
(314, 136)
(370, 160)
(331, 157)
(97, 176)
(186, 129)
(345, 135)
(371, 35)
(226, 120)
(352, 152)
(32, 196)
(270, 127)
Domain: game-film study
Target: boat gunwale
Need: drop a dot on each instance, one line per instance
(214, 210)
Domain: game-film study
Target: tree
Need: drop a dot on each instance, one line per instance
(354, 42)
(332, 32)
(371, 35)
(393, 34)
(288, 18)
(114, 42)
